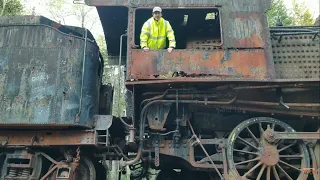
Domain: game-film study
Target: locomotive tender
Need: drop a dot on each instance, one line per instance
(235, 100)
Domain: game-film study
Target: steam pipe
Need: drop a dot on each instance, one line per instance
(295, 30)
(136, 159)
(83, 69)
(294, 33)
(119, 73)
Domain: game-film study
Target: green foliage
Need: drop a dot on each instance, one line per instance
(58, 10)
(102, 45)
(10, 7)
(119, 103)
(279, 10)
(81, 12)
(300, 15)
(61, 10)
(111, 76)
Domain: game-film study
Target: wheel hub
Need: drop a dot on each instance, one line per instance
(270, 155)
(269, 135)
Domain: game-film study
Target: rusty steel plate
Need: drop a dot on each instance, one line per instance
(296, 57)
(46, 138)
(213, 64)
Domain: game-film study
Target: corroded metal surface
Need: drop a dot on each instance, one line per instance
(216, 64)
(47, 138)
(203, 44)
(157, 115)
(44, 78)
(296, 56)
(186, 151)
(249, 4)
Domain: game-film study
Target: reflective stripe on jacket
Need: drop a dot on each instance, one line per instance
(154, 33)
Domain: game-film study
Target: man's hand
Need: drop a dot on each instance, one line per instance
(170, 50)
(146, 49)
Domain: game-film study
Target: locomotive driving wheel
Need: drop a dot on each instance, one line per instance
(252, 152)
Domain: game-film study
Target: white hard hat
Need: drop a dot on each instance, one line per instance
(157, 9)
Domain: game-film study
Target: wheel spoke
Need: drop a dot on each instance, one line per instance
(286, 147)
(275, 173)
(252, 135)
(251, 160)
(291, 156)
(279, 142)
(268, 173)
(284, 172)
(261, 129)
(252, 169)
(249, 144)
(248, 152)
(290, 165)
(261, 172)
(273, 126)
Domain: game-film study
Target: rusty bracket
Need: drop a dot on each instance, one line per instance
(71, 167)
(156, 157)
(156, 144)
(29, 157)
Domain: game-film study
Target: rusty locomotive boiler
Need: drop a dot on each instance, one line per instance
(236, 99)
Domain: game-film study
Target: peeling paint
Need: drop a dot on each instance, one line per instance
(258, 71)
(246, 28)
(226, 57)
(239, 64)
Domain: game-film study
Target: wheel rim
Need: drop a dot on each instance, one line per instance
(251, 154)
(86, 171)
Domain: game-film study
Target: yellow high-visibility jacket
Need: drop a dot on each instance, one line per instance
(154, 33)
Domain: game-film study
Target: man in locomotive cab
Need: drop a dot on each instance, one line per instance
(155, 31)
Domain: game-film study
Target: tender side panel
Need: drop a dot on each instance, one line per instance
(42, 76)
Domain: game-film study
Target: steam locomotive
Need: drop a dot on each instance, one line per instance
(235, 100)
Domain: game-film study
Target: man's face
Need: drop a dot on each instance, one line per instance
(157, 15)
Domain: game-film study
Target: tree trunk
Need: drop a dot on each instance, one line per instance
(3, 7)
